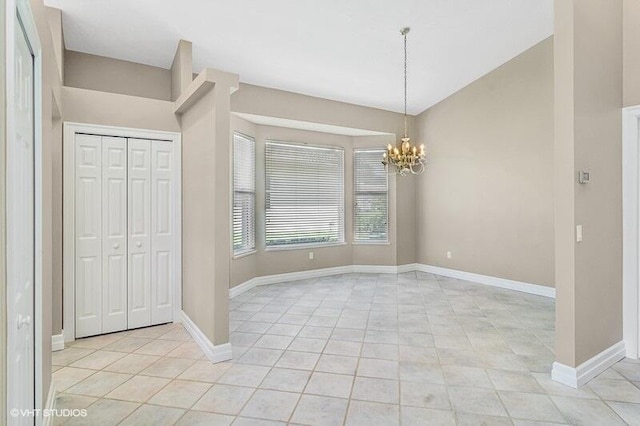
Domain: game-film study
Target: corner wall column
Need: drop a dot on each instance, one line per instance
(206, 196)
(588, 137)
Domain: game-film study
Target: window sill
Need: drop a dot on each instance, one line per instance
(304, 246)
(244, 254)
(371, 243)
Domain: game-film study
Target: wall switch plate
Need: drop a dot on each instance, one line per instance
(579, 233)
(310, 255)
(448, 254)
(584, 177)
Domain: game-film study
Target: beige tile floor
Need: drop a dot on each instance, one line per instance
(357, 349)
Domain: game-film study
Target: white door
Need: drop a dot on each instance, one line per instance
(114, 234)
(162, 234)
(139, 196)
(88, 235)
(21, 234)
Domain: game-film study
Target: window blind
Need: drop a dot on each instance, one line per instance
(371, 184)
(304, 194)
(244, 194)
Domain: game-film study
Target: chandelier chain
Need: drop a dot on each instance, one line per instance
(405, 84)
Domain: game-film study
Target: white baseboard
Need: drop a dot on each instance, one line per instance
(391, 269)
(57, 342)
(50, 405)
(580, 375)
(536, 289)
(214, 353)
(318, 273)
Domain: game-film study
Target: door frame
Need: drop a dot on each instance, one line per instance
(631, 229)
(22, 10)
(68, 212)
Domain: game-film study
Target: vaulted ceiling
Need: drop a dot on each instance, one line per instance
(346, 50)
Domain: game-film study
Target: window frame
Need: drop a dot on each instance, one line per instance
(356, 241)
(248, 250)
(301, 246)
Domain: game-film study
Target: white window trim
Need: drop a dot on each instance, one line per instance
(304, 246)
(245, 252)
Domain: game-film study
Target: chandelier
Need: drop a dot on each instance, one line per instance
(404, 158)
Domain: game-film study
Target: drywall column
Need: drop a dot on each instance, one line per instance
(631, 46)
(206, 209)
(181, 69)
(588, 101)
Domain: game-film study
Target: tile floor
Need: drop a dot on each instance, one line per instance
(357, 349)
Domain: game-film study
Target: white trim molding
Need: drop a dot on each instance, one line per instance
(50, 405)
(20, 11)
(57, 342)
(214, 353)
(580, 375)
(317, 273)
(523, 287)
(536, 289)
(631, 230)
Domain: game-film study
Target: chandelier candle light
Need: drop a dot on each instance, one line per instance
(405, 158)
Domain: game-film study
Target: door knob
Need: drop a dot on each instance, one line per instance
(22, 321)
(116, 246)
(139, 244)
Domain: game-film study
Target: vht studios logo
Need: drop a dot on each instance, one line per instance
(48, 412)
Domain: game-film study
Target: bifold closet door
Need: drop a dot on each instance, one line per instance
(100, 231)
(139, 196)
(88, 235)
(124, 236)
(162, 233)
(114, 234)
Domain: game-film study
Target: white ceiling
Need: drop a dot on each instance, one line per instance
(346, 50)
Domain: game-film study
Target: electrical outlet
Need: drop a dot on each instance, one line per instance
(579, 233)
(310, 255)
(448, 254)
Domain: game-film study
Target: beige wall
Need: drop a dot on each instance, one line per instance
(112, 109)
(631, 52)
(198, 233)
(54, 16)
(487, 193)
(588, 95)
(181, 69)
(93, 72)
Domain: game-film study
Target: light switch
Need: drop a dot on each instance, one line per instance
(310, 255)
(579, 233)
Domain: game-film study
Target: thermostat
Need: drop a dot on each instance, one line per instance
(583, 177)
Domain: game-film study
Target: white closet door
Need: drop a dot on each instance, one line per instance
(139, 196)
(88, 234)
(114, 234)
(162, 232)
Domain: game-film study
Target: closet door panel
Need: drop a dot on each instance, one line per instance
(139, 247)
(114, 231)
(162, 233)
(88, 235)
